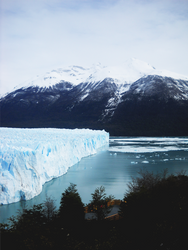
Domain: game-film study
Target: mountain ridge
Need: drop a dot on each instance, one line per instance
(151, 105)
(132, 70)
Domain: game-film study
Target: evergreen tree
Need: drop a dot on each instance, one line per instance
(71, 209)
(99, 203)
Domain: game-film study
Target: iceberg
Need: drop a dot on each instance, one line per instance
(31, 157)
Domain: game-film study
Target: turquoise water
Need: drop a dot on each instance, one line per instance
(113, 168)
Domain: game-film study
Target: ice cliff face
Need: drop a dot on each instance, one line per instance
(31, 157)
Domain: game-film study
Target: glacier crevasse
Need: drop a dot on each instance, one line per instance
(31, 157)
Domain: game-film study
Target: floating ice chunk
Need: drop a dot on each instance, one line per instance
(148, 144)
(30, 157)
(145, 161)
(178, 159)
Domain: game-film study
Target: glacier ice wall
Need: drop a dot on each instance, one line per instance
(31, 157)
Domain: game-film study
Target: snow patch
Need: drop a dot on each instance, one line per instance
(122, 75)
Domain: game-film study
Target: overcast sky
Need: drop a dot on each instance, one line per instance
(41, 35)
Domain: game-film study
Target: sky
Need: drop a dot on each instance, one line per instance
(41, 35)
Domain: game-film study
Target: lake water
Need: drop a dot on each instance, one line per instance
(112, 167)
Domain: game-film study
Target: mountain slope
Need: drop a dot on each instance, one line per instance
(129, 100)
(154, 105)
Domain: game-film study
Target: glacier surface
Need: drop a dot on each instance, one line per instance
(31, 157)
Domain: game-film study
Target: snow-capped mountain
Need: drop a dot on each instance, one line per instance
(131, 99)
(129, 72)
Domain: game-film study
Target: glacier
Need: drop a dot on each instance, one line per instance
(31, 157)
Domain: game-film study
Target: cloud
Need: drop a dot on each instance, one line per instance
(40, 35)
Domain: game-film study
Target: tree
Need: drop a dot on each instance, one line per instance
(156, 206)
(49, 208)
(147, 181)
(33, 217)
(99, 203)
(71, 209)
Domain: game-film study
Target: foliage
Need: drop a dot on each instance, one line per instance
(156, 206)
(32, 217)
(154, 217)
(147, 181)
(71, 209)
(99, 203)
(49, 208)
(35, 216)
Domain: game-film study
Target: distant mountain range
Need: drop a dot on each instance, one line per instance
(133, 99)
